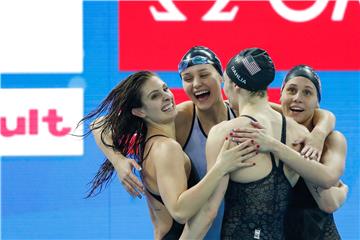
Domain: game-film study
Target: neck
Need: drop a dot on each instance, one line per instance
(167, 129)
(216, 114)
(253, 106)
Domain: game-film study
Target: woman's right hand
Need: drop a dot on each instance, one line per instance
(127, 178)
(231, 159)
(256, 133)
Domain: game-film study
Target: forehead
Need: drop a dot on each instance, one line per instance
(198, 68)
(152, 83)
(301, 82)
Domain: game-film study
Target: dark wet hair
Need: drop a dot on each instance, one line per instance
(128, 131)
(307, 72)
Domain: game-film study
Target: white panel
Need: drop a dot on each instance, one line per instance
(41, 36)
(36, 134)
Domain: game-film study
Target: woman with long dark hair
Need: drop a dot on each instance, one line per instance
(140, 115)
(201, 74)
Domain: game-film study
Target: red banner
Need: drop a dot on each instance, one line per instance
(154, 35)
(180, 96)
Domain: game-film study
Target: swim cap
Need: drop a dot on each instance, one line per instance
(200, 55)
(306, 72)
(251, 69)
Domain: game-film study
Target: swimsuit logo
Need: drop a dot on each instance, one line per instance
(257, 234)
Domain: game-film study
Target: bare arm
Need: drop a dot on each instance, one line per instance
(324, 124)
(199, 225)
(122, 165)
(276, 107)
(323, 175)
(183, 203)
(329, 200)
(333, 158)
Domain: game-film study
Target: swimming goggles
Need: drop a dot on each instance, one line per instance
(184, 64)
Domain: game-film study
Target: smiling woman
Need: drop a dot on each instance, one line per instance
(141, 120)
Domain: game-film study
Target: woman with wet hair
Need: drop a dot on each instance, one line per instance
(201, 74)
(140, 114)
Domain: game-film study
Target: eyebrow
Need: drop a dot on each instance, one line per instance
(156, 90)
(306, 86)
(200, 70)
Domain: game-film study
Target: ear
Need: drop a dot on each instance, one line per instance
(236, 87)
(138, 112)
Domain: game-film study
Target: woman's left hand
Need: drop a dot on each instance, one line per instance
(313, 146)
(257, 134)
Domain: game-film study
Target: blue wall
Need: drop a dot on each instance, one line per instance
(42, 197)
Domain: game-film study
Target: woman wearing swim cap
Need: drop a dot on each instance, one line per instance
(140, 118)
(256, 198)
(201, 73)
(310, 212)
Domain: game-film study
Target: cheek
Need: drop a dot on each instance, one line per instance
(187, 88)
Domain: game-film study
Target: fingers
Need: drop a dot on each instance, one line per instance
(135, 165)
(318, 157)
(244, 130)
(130, 189)
(136, 183)
(247, 151)
(299, 141)
(257, 125)
(305, 150)
(243, 145)
(246, 164)
(237, 140)
(314, 154)
(248, 155)
(225, 145)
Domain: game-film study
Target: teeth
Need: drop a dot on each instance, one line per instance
(167, 107)
(296, 109)
(201, 92)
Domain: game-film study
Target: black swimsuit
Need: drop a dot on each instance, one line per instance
(305, 220)
(176, 228)
(256, 210)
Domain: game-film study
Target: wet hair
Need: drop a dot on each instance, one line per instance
(127, 130)
(307, 72)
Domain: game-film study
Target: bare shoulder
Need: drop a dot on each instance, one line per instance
(184, 110)
(162, 148)
(223, 128)
(336, 140)
(183, 121)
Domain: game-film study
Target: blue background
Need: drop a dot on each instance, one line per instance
(42, 197)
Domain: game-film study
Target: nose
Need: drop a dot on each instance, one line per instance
(298, 97)
(167, 96)
(196, 82)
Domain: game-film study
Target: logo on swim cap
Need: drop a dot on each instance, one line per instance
(251, 65)
(251, 69)
(237, 75)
